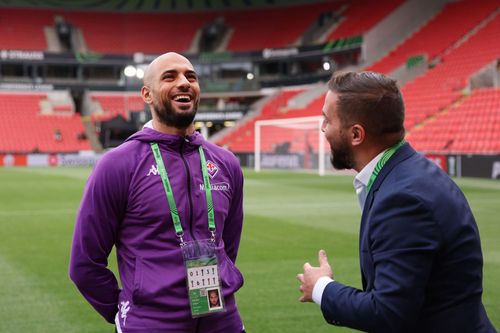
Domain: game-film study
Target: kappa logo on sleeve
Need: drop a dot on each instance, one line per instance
(153, 171)
(125, 307)
(212, 168)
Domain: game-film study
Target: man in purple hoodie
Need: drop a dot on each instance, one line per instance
(162, 190)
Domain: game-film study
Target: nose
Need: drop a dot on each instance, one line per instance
(183, 81)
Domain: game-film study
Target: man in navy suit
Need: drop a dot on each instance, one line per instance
(420, 253)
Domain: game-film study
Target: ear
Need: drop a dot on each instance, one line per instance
(146, 95)
(358, 134)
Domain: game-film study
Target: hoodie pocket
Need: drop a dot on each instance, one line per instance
(230, 275)
(160, 281)
(137, 281)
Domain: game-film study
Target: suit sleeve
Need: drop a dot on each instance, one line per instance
(95, 233)
(403, 241)
(234, 221)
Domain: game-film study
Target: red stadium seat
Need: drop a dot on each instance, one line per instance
(20, 114)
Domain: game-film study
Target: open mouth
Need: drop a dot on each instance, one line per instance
(182, 98)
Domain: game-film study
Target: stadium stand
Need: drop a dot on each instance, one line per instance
(440, 86)
(361, 15)
(24, 129)
(455, 52)
(290, 22)
(242, 138)
(473, 126)
(22, 29)
(122, 33)
(107, 105)
(439, 34)
(105, 32)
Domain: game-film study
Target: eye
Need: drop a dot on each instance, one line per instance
(168, 77)
(325, 122)
(192, 77)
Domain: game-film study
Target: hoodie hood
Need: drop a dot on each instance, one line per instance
(148, 135)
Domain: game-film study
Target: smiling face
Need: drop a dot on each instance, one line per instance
(172, 91)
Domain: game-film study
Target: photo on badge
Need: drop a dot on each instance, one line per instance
(213, 298)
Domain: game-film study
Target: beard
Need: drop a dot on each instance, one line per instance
(169, 116)
(341, 155)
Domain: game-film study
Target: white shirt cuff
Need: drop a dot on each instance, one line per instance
(319, 287)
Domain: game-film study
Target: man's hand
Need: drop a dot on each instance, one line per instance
(311, 276)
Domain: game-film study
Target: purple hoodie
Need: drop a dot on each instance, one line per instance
(124, 204)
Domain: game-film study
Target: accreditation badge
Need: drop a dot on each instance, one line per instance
(205, 294)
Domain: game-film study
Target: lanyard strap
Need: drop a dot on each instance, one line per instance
(170, 195)
(380, 164)
(208, 192)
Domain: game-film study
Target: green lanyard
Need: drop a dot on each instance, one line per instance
(385, 157)
(170, 195)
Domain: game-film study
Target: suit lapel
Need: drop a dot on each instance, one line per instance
(400, 155)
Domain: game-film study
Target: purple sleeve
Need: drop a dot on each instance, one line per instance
(95, 233)
(234, 220)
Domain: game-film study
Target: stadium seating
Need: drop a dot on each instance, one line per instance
(113, 104)
(242, 138)
(438, 116)
(22, 29)
(471, 127)
(277, 27)
(105, 32)
(361, 16)
(23, 129)
(354, 23)
(125, 33)
(440, 33)
(440, 86)
(434, 91)
(156, 33)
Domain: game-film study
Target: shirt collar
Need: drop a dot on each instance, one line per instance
(363, 177)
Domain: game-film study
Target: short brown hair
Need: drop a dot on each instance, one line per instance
(370, 99)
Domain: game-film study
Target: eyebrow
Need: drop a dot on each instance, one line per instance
(174, 71)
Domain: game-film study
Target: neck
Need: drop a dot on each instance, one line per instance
(160, 127)
(366, 153)
(366, 156)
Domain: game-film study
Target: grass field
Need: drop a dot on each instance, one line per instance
(288, 217)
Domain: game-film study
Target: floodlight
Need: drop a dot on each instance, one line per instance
(130, 71)
(139, 73)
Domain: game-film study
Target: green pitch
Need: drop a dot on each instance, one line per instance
(288, 218)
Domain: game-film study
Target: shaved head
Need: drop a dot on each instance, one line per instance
(156, 64)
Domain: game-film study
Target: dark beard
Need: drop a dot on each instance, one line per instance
(168, 116)
(341, 157)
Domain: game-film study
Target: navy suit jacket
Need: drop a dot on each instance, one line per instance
(420, 256)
